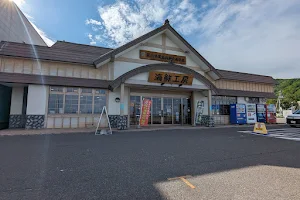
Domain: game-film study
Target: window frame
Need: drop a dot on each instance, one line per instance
(65, 92)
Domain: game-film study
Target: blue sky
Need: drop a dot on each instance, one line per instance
(255, 36)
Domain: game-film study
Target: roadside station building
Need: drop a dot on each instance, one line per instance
(66, 85)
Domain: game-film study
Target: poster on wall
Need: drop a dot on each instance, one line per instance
(145, 112)
(199, 112)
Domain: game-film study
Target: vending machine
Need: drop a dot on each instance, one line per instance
(261, 113)
(271, 114)
(251, 113)
(238, 114)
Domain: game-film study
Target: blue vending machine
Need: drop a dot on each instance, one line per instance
(261, 111)
(238, 114)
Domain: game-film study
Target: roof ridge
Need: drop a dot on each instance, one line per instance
(23, 43)
(82, 44)
(243, 72)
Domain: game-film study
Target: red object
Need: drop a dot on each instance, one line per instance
(145, 112)
(271, 114)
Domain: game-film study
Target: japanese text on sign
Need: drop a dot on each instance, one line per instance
(171, 78)
(150, 55)
(145, 112)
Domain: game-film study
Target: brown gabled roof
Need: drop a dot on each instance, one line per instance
(142, 38)
(122, 48)
(86, 54)
(240, 76)
(60, 51)
(242, 93)
(83, 48)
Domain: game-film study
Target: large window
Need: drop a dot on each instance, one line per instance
(72, 100)
(56, 103)
(221, 104)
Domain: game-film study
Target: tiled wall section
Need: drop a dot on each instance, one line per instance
(88, 121)
(35, 121)
(75, 121)
(17, 121)
(221, 119)
(24, 66)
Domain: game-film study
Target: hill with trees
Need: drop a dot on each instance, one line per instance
(290, 90)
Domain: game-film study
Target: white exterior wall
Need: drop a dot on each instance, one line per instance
(199, 96)
(241, 100)
(16, 100)
(156, 40)
(37, 99)
(113, 106)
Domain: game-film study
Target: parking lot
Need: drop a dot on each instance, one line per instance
(222, 163)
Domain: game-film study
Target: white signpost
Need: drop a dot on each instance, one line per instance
(103, 131)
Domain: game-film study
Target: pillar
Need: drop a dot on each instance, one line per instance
(36, 106)
(17, 117)
(122, 122)
(122, 93)
(209, 103)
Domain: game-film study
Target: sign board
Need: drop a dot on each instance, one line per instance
(150, 55)
(103, 131)
(171, 78)
(260, 128)
(144, 118)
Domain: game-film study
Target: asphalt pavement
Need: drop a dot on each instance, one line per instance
(223, 164)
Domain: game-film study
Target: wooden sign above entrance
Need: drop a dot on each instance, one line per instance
(171, 78)
(150, 55)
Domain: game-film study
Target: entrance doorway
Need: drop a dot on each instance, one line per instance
(164, 110)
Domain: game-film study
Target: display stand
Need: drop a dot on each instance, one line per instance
(103, 131)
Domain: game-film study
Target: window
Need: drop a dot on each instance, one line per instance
(221, 104)
(71, 104)
(86, 104)
(99, 91)
(72, 100)
(72, 90)
(86, 90)
(56, 89)
(55, 104)
(99, 102)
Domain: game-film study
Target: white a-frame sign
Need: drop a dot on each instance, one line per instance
(103, 131)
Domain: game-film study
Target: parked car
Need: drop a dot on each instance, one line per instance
(294, 119)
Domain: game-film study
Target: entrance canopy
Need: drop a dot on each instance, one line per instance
(161, 66)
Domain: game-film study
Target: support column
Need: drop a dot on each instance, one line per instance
(209, 103)
(36, 106)
(122, 99)
(16, 117)
(211, 121)
(122, 122)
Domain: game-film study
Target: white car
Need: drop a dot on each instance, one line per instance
(294, 119)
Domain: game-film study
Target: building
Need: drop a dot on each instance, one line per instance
(66, 85)
(14, 27)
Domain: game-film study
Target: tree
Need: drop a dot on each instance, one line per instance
(290, 90)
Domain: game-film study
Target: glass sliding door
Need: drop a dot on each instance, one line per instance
(156, 110)
(177, 111)
(135, 108)
(167, 109)
(187, 118)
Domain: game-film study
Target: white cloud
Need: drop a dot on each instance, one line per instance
(248, 35)
(93, 22)
(123, 21)
(92, 40)
(253, 36)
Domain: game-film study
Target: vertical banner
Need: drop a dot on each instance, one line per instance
(145, 112)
